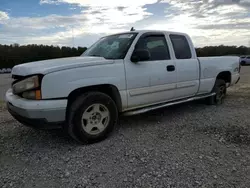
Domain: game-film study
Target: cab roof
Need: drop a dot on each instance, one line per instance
(146, 31)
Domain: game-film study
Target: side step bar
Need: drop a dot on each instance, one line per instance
(162, 105)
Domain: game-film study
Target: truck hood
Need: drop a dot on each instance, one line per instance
(53, 65)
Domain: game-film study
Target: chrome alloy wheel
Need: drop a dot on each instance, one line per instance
(95, 119)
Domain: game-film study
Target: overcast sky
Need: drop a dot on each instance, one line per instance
(54, 22)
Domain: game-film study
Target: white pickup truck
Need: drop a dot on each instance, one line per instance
(125, 73)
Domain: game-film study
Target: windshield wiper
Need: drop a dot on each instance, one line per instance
(95, 55)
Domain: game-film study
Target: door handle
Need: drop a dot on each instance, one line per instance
(170, 68)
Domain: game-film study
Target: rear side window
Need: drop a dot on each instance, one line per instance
(181, 47)
(248, 57)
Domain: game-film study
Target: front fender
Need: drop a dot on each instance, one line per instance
(61, 84)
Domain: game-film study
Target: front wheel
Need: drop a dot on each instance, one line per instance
(220, 91)
(92, 117)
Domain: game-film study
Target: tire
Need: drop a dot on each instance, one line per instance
(221, 90)
(92, 117)
(243, 63)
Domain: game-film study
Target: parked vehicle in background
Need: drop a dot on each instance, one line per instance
(4, 70)
(245, 60)
(125, 73)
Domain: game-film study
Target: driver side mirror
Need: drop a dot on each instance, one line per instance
(140, 55)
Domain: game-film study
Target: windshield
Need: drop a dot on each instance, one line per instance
(111, 47)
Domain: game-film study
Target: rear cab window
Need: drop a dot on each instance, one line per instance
(181, 46)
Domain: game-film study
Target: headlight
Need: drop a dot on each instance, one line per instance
(35, 95)
(25, 86)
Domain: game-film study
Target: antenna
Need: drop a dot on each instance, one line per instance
(132, 29)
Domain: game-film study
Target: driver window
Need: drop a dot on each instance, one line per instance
(156, 45)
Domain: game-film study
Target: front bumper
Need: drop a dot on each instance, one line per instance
(39, 114)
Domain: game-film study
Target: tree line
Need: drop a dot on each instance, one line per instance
(222, 51)
(14, 54)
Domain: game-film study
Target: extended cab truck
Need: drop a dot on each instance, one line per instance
(126, 73)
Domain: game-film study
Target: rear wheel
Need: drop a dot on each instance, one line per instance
(220, 91)
(92, 116)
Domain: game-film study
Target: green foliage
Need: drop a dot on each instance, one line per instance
(11, 55)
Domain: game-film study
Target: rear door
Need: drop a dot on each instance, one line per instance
(152, 81)
(187, 66)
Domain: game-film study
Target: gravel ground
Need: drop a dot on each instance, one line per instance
(188, 145)
(5, 82)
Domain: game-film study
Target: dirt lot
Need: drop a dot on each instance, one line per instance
(188, 145)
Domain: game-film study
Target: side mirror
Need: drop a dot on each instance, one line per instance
(140, 55)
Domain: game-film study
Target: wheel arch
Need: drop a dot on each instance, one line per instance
(225, 75)
(108, 89)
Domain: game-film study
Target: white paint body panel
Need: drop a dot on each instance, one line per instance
(211, 66)
(61, 83)
(140, 84)
(54, 65)
(148, 82)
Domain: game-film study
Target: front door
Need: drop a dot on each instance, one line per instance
(152, 81)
